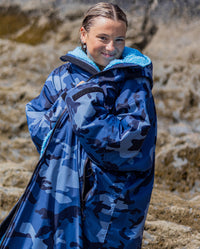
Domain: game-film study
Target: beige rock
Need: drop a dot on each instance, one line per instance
(174, 214)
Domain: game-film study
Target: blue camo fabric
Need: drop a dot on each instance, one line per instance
(92, 185)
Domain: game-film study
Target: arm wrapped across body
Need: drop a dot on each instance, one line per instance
(113, 120)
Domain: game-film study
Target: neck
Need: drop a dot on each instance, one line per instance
(100, 67)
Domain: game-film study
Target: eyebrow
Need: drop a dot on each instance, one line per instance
(108, 35)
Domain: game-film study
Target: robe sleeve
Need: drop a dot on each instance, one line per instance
(43, 112)
(111, 137)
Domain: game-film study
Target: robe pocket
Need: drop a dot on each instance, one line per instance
(88, 181)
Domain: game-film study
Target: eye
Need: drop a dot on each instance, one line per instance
(120, 39)
(103, 38)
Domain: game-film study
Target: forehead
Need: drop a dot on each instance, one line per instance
(103, 25)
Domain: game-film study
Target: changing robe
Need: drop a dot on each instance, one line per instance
(92, 185)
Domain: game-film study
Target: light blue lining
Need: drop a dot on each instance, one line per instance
(133, 56)
(80, 54)
(130, 55)
(45, 142)
(2, 239)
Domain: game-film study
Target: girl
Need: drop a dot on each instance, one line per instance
(94, 125)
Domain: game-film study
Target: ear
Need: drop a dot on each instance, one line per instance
(83, 34)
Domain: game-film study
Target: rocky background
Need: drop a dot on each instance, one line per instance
(34, 34)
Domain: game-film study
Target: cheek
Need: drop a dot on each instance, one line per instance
(121, 48)
(95, 47)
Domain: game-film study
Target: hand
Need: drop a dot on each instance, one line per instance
(81, 82)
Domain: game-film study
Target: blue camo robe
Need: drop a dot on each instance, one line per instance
(92, 185)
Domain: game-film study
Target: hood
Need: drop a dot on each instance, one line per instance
(130, 57)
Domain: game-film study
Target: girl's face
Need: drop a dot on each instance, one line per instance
(105, 40)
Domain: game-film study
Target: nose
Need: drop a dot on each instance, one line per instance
(110, 46)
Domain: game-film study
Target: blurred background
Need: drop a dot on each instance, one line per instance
(34, 34)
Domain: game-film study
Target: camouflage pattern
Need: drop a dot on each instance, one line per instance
(92, 185)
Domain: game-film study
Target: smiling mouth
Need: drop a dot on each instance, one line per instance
(108, 55)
